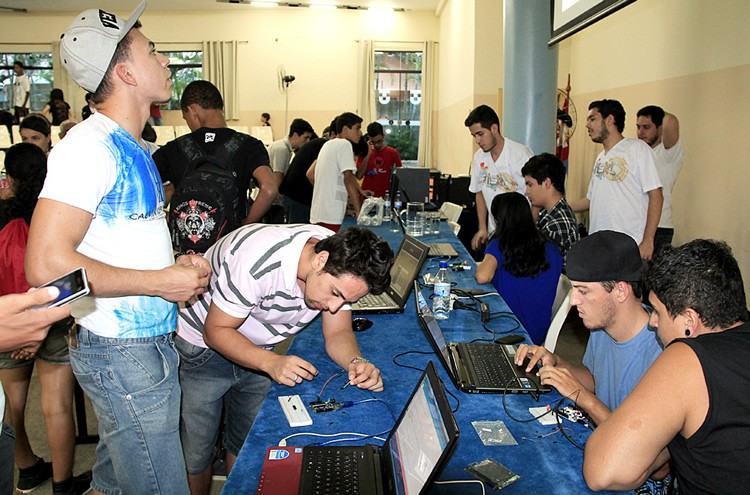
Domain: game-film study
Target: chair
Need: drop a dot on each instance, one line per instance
(15, 134)
(55, 134)
(560, 309)
(452, 212)
(164, 134)
(264, 133)
(5, 141)
(181, 130)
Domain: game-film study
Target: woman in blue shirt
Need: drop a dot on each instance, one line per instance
(523, 266)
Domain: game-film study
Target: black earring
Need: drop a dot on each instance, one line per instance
(687, 332)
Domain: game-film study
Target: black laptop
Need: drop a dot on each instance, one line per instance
(441, 249)
(419, 443)
(406, 266)
(477, 367)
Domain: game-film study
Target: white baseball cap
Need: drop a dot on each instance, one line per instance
(89, 43)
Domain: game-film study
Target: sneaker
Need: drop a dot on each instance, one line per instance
(30, 478)
(77, 485)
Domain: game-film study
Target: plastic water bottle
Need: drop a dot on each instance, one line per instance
(387, 209)
(441, 298)
(397, 206)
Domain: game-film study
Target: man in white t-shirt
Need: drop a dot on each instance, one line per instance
(333, 175)
(269, 282)
(624, 192)
(661, 131)
(495, 169)
(21, 92)
(102, 208)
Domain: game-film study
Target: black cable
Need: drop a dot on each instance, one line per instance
(406, 365)
(458, 402)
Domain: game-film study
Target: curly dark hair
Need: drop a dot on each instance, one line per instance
(520, 241)
(26, 164)
(702, 275)
(361, 253)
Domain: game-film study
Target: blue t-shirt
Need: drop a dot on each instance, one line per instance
(530, 298)
(618, 366)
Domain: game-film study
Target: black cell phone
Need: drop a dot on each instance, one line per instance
(73, 285)
(493, 473)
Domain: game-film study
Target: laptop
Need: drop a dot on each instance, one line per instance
(420, 442)
(409, 260)
(477, 367)
(442, 249)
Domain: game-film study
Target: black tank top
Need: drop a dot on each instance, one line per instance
(716, 458)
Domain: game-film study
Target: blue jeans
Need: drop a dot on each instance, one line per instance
(7, 459)
(210, 381)
(134, 389)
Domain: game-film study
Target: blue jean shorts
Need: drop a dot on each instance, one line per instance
(209, 381)
(134, 389)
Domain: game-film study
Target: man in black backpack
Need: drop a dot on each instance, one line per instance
(207, 173)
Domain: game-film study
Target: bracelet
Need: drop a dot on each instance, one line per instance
(358, 359)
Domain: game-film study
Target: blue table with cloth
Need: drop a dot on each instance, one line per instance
(545, 460)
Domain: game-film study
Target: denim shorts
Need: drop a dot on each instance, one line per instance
(7, 443)
(134, 389)
(54, 348)
(209, 381)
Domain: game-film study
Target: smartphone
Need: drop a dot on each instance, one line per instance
(73, 285)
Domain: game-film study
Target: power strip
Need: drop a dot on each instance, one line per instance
(295, 410)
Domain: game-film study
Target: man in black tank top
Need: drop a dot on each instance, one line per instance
(692, 407)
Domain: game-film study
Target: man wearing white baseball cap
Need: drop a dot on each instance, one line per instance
(102, 208)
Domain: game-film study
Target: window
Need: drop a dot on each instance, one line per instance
(186, 66)
(398, 94)
(38, 66)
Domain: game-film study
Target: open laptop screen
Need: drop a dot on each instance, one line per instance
(419, 441)
(405, 267)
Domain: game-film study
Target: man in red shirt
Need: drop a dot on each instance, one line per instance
(376, 167)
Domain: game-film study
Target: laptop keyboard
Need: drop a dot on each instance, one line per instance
(490, 366)
(332, 470)
(373, 301)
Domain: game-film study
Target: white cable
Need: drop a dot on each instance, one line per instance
(282, 442)
(448, 482)
(349, 440)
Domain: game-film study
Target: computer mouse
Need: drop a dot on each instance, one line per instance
(361, 324)
(509, 339)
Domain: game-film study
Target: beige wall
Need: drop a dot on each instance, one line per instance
(318, 46)
(471, 62)
(697, 66)
(455, 85)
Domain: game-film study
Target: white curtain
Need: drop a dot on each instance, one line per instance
(74, 94)
(429, 97)
(366, 82)
(220, 67)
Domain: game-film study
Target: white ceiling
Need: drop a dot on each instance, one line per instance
(36, 6)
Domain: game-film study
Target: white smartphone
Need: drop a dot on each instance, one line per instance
(73, 285)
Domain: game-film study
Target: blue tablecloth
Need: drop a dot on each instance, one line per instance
(545, 460)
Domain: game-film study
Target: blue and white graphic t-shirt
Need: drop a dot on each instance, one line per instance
(101, 169)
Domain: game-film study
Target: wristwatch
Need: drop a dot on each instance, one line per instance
(358, 359)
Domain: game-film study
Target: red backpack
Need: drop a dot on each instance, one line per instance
(13, 239)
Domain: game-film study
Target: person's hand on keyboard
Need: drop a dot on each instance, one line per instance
(535, 354)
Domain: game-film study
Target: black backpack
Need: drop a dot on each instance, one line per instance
(205, 205)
